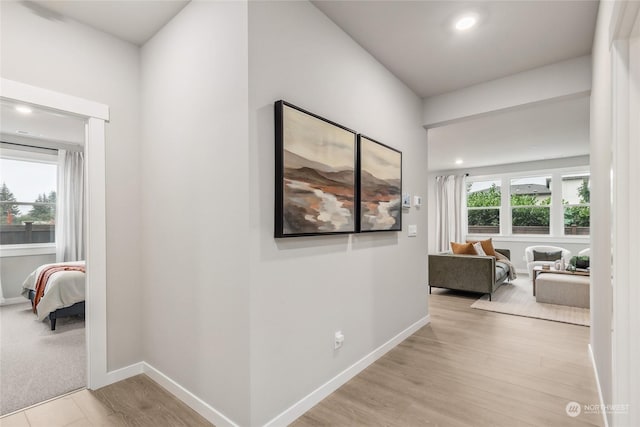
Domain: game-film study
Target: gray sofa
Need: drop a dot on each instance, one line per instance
(470, 273)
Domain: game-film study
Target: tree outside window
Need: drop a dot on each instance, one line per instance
(483, 207)
(576, 201)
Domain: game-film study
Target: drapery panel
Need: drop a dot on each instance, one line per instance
(70, 209)
(449, 206)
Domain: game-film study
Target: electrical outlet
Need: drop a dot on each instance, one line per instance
(338, 340)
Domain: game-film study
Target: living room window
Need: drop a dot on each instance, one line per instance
(28, 184)
(531, 205)
(483, 207)
(545, 203)
(576, 192)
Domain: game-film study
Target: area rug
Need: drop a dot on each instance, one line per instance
(37, 364)
(517, 299)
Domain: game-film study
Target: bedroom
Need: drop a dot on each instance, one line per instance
(41, 255)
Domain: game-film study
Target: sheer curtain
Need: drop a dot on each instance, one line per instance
(70, 218)
(449, 204)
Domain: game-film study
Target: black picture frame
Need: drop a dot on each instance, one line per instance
(316, 177)
(380, 186)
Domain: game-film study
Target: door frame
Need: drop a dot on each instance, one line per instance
(625, 47)
(95, 115)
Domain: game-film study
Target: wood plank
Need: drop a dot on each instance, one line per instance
(470, 368)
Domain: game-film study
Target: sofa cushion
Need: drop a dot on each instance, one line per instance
(478, 247)
(502, 270)
(463, 248)
(547, 256)
(487, 245)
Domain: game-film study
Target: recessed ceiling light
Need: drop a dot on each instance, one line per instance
(22, 132)
(23, 109)
(466, 22)
(459, 161)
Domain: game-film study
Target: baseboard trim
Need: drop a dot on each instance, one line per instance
(194, 402)
(123, 373)
(299, 408)
(12, 301)
(595, 372)
(181, 393)
(286, 417)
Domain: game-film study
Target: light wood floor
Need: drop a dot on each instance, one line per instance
(137, 401)
(467, 368)
(470, 368)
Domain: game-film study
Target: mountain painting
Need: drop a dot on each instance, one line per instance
(315, 189)
(380, 186)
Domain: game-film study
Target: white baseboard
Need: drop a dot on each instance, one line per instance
(289, 415)
(14, 300)
(191, 400)
(595, 372)
(313, 398)
(124, 373)
(194, 402)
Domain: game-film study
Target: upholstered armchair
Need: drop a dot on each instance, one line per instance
(529, 258)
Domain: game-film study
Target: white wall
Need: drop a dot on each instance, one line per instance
(561, 80)
(72, 58)
(195, 177)
(14, 269)
(601, 136)
(370, 286)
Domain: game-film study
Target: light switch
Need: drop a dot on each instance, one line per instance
(417, 201)
(413, 230)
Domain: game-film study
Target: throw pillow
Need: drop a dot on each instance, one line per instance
(487, 246)
(478, 247)
(463, 248)
(547, 256)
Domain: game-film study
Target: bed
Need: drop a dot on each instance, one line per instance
(62, 293)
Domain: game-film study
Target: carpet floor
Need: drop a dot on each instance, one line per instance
(517, 299)
(37, 364)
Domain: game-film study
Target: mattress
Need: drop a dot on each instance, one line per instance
(63, 289)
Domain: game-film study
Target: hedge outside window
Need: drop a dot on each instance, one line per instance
(530, 205)
(483, 207)
(576, 196)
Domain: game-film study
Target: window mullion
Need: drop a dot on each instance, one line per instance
(505, 211)
(557, 210)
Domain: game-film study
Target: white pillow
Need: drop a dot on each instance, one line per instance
(478, 247)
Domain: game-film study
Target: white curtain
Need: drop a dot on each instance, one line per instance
(70, 215)
(449, 205)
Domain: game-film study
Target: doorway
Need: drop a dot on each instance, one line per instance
(94, 114)
(42, 355)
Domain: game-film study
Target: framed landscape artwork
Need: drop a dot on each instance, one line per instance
(316, 190)
(380, 186)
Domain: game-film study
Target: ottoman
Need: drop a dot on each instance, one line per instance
(563, 289)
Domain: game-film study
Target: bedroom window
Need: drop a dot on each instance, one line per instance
(531, 205)
(483, 207)
(28, 183)
(576, 194)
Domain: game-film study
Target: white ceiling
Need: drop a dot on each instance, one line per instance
(133, 21)
(543, 131)
(40, 124)
(415, 40)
